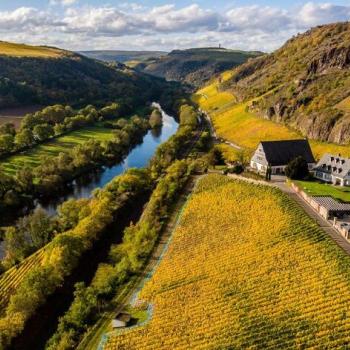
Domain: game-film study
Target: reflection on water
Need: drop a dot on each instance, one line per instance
(137, 158)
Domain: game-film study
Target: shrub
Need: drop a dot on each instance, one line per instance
(297, 169)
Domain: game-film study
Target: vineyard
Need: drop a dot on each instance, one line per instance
(10, 280)
(235, 123)
(246, 269)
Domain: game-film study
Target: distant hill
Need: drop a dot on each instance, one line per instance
(130, 58)
(195, 66)
(23, 50)
(305, 83)
(35, 75)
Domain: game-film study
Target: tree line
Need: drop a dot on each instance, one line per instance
(62, 254)
(54, 172)
(50, 122)
(50, 176)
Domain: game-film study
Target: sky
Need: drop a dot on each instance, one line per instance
(262, 25)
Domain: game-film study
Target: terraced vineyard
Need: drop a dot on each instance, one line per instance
(235, 123)
(246, 269)
(11, 279)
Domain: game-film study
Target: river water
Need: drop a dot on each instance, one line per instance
(139, 157)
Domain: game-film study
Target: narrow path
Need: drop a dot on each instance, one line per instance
(131, 291)
(322, 223)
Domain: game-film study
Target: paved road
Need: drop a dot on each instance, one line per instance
(323, 223)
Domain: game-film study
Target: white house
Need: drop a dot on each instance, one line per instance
(277, 154)
(333, 169)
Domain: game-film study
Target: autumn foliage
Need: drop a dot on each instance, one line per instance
(246, 269)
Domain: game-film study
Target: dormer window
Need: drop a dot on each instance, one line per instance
(334, 168)
(324, 165)
(337, 160)
(332, 158)
(329, 167)
(343, 161)
(340, 170)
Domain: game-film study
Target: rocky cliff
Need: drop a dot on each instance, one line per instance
(305, 83)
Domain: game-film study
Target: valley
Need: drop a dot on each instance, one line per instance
(151, 201)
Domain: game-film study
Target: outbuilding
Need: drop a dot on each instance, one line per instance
(329, 208)
(121, 320)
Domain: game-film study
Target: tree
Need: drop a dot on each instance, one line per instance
(24, 138)
(8, 128)
(6, 143)
(40, 228)
(24, 177)
(16, 245)
(188, 116)
(72, 211)
(155, 120)
(216, 157)
(297, 169)
(59, 129)
(43, 131)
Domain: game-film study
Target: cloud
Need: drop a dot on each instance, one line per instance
(63, 2)
(312, 14)
(130, 25)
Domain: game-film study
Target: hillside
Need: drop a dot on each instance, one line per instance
(127, 57)
(32, 75)
(23, 50)
(305, 83)
(195, 66)
(234, 279)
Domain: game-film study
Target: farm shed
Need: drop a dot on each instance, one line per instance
(121, 320)
(329, 208)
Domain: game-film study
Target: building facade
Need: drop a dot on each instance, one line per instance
(333, 169)
(277, 154)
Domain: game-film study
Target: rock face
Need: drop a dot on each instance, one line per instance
(336, 57)
(304, 84)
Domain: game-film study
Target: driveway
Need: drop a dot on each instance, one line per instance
(323, 223)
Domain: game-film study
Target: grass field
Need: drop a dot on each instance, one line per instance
(235, 123)
(22, 50)
(246, 269)
(315, 188)
(54, 147)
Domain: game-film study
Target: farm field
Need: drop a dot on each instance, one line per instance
(15, 115)
(315, 188)
(235, 123)
(232, 279)
(22, 50)
(54, 147)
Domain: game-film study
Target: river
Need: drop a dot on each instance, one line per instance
(42, 325)
(139, 157)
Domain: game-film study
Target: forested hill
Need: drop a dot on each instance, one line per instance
(43, 75)
(195, 66)
(123, 56)
(305, 84)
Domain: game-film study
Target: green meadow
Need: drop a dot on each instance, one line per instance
(54, 147)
